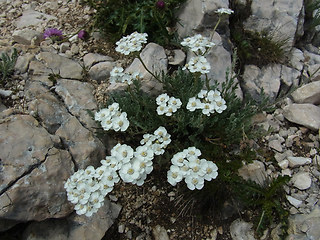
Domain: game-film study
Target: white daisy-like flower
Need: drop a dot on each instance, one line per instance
(144, 152)
(131, 43)
(224, 11)
(162, 99)
(211, 171)
(193, 104)
(162, 109)
(198, 44)
(220, 105)
(194, 181)
(174, 175)
(120, 123)
(129, 173)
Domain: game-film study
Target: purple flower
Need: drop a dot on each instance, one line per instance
(82, 34)
(53, 33)
(160, 4)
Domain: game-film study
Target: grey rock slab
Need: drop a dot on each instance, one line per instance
(84, 147)
(92, 58)
(23, 62)
(282, 18)
(78, 97)
(305, 226)
(296, 59)
(301, 180)
(75, 227)
(178, 57)
(27, 36)
(306, 114)
(203, 16)
(28, 157)
(32, 18)
(155, 59)
(160, 233)
(24, 144)
(63, 66)
(309, 93)
(254, 171)
(269, 79)
(5, 93)
(293, 201)
(241, 230)
(101, 71)
(298, 161)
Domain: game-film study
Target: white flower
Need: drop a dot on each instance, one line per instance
(197, 44)
(192, 152)
(194, 181)
(208, 108)
(144, 152)
(162, 109)
(224, 11)
(198, 64)
(102, 114)
(178, 159)
(193, 104)
(122, 152)
(160, 131)
(131, 43)
(129, 173)
(143, 166)
(213, 95)
(211, 170)
(175, 102)
(120, 123)
(174, 175)
(162, 99)
(220, 105)
(147, 139)
(96, 200)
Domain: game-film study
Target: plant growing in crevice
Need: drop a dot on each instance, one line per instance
(191, 132)
(7, 63)
(120, 17)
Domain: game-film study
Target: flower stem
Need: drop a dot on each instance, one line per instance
(207, 82)
(147, 68)
(215, 28)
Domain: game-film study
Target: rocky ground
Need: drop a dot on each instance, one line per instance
(46, 132)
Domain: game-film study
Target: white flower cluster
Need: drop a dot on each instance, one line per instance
(134, 166)
(198, 44)
(224, 11)
(131, 43)
(112, 118)
(167, 105)
(187, 165)
(117, 75)
(208, 101)
(198, 64)
(88, 188)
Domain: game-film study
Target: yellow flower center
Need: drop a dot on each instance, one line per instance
(130, 171)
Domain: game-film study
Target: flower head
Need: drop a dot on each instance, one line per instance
(53, 33)
(160, 4)
(82, 34)
(131, 43)
(224, 11)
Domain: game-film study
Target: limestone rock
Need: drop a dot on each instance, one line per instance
(154, 57)
(309, 93)
(28, 158)
(203, 16)
(75, 227)
(297, 59)
(241, 230)
(22, 63)
(301, 180)
(27, 36)
(101, 71)
(269, 79)
(160, 233)
(63, 66)
(282, 18)
(84, 147)
(307, 115)
(78, 97)
(32, 18)
(300, 221)
(178, 58)
(92, 58)
(254, 171)
(293, 201)
(298, 161)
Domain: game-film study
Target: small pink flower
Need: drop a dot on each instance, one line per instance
(160, 4)
(82, 34)
(53, 33)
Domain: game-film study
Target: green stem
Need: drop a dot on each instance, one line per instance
(215, 28)
(261, 218)
(207, 82)
(147, 68)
